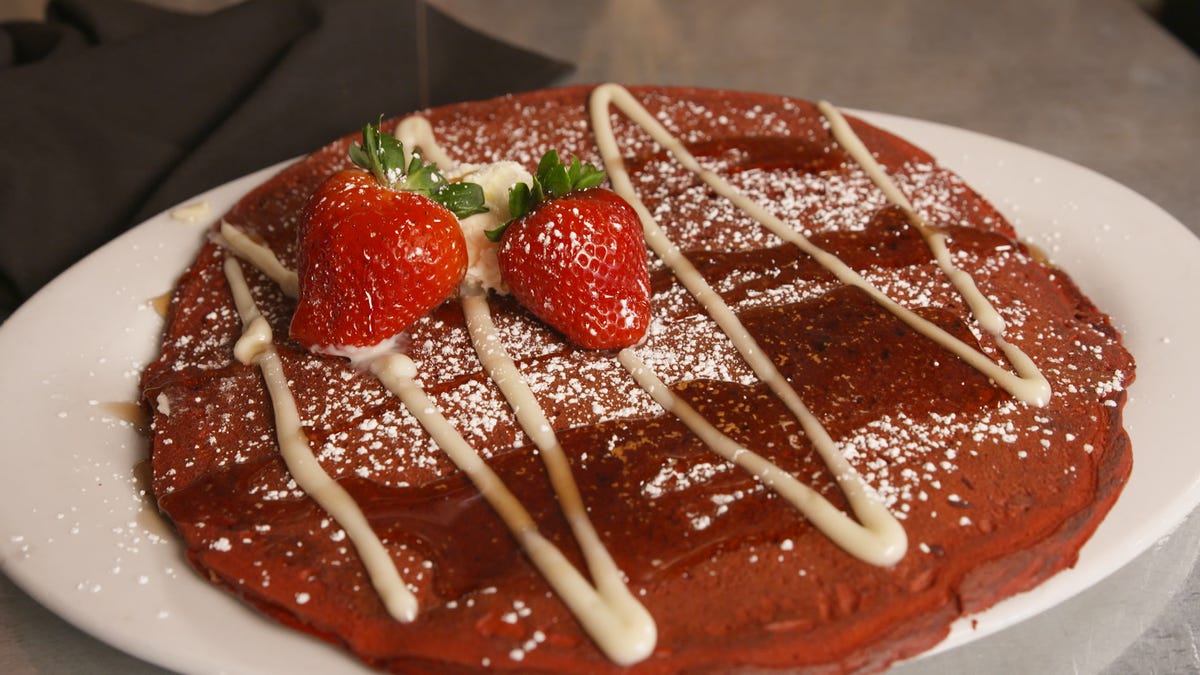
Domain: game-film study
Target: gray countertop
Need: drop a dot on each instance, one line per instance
(1097, 82)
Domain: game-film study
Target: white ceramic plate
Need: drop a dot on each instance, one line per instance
(78, 535)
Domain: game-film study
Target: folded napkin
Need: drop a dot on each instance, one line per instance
(114, 110)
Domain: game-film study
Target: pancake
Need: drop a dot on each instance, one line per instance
(993, 487)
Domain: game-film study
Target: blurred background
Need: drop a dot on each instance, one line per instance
(1180, 17)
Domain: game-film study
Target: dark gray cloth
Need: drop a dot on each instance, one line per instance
(112, 111)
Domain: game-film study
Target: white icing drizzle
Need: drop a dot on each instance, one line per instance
(618, 623)
(1028, 385)
(1031, 386)
(879, 540)
(191, 213)
(415, 131)
(880, 543)
(608, 612)
(615, 620)
(256, 347)
(261, 257)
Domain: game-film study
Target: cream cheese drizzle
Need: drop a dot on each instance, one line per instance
(415, 131)
(256, 347)
(1028, 385)
(1031, 386)
(261, 257)
(881, 541)
(608, 612)
(615, 620)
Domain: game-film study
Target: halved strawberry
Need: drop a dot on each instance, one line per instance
(378, 250)
(574, 256)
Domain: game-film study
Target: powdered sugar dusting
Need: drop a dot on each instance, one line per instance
(913, 458)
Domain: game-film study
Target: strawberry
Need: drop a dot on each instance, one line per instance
(574, 256)
(379, 248)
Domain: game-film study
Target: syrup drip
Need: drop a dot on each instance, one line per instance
(161, 303)
(128, 412)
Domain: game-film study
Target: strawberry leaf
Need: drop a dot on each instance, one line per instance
(463, 199)
(383, 155)
(421, 178)
(495, 235)
(360, 158)
(552, 180)
(520, 196)
(519, 200)
(587, 177)
(548, 162)
(556, 182)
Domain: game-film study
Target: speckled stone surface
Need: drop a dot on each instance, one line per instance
(1097, 82)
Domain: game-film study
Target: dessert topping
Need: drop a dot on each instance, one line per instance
(574, 255)
(496, 179)
(1026, 384)
(256, 346)
(379, 248)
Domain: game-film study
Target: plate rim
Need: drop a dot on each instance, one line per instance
(912, 129)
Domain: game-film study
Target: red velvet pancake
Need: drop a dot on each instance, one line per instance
(995, 495)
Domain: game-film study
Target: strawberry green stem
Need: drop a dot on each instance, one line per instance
(384, 157)
(553, 179)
